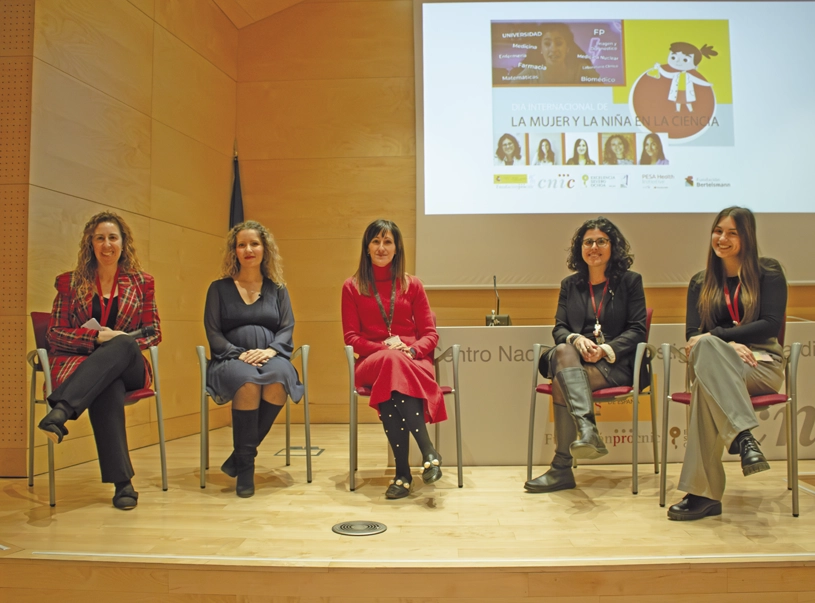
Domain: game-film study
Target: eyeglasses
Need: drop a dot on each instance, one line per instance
(601, 243)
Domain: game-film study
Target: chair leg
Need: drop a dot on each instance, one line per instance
(31, 411)
(204, 453)
(52, 495)
(307, 421)
(793, 443)
(306, 416)
(664, 460)
(654, 430)
(635, 440)
(352, 440)
(162, 448)
(458, 439)
(536, 350)
(288, 432)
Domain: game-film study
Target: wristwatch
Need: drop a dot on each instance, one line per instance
(412, 352)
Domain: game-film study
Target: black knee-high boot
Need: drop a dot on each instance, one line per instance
(574, 382)
(245, 443)
(560, 475)
(267, 413)
(412, 411)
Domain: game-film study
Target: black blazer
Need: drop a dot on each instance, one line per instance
(623, 320)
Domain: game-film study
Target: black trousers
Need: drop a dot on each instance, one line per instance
(98, 385)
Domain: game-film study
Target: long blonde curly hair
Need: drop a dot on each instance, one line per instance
(272, 264)
(83, 279)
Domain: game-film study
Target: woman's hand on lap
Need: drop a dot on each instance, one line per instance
(106, 334)
(257, 357)
(745, 353)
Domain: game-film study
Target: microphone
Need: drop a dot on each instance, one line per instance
(497, 298)
(496, 319)
(143, 332)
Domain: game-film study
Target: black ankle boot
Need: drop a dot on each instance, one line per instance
(574, 382)
(53, 424)
(560, 475)
(245, 443)
(752, 460)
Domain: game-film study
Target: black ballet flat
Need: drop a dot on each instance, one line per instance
(53, 425)
(399, 488)
(432, 468)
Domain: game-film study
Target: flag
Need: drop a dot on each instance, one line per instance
(236, 204)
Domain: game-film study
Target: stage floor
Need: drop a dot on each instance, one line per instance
(491, 522)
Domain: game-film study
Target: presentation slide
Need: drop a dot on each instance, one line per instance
(616, 107)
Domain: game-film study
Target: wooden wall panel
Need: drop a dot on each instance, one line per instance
(340, 43)
(191, 183)
(184, 263)
(202, 25)
(191, 95)
(145, 6)
(330, 198)
(107, 45)
(235, 12)
(87, 144)
(326, 118)
(260, 9)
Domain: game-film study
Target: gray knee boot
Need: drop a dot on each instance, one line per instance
(574, 382)
(559, 476)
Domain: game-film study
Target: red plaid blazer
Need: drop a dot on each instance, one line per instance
(70, 344)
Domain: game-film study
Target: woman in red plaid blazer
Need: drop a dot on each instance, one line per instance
(95, 354)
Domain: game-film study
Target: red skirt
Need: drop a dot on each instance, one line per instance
(391, 371)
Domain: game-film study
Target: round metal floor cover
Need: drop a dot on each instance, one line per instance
(359, 528)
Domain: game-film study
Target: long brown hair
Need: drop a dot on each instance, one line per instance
(271, 266)
(711, 297)
(83, 278)
(364, 275)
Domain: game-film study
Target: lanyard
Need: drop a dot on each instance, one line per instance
(733, 307)
(598, 311)
(106, 306)
(388, 319)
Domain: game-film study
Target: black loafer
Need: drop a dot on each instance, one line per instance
(127, 498)
(694, 507)
(553, 480)
(399, 488)
(432, 468)
(752, 460)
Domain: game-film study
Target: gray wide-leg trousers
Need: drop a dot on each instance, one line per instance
(721, 386)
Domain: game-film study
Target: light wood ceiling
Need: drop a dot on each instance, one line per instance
(246, 12)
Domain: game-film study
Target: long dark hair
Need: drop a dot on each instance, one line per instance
(364, 275)
(645, 158)
(548, 156)
(576, 155)
(711, 296)
(621, 256)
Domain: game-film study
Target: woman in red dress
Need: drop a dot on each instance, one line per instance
(386, 318)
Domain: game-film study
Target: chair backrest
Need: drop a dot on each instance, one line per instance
(782, 331)
(649, 314)
(40, 320)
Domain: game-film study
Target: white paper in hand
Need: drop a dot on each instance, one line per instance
(92, 324)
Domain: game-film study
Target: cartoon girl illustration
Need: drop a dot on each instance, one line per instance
(683, 60)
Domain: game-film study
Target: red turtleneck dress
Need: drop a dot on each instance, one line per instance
(380, 368)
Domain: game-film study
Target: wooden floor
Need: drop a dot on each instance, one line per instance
(489, 541)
